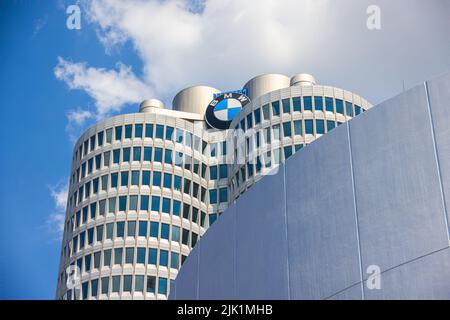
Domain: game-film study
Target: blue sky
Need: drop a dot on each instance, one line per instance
(55, 82)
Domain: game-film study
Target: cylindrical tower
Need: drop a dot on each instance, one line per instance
(137, 204)
(278, 123)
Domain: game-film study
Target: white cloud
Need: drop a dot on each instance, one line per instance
(223, 43)
(111, 89)
(55, 220)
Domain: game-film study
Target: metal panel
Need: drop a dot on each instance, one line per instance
(396, 180)
(322, 232)
(261, 255)
(217, 259)
(186, 285)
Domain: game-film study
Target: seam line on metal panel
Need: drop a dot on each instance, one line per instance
(198, 272)
(286, 233)
(355, 210)
(234, 253)
(438, 165)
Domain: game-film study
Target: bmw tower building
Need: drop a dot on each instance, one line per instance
(145, 187)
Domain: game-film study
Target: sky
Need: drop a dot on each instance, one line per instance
(55, 82)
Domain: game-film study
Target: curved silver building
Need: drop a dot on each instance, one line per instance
(145, 187)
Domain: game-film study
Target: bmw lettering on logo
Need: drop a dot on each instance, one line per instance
(223, 108)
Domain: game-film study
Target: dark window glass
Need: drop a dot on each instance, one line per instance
(118, 132)
(223, 194)
(330, 125)
(162, 286)
(144, 203)
(105, 285)
(135, 177)
(159, 131)
(357, 110)
(127, 283)
(168, 156)
(120, 226)
(177, 183)
(174, 260)
(158, 155)
(106, 158)
(157, 178)
(166, 205)
(163, 258)
(169, 133)
(213, 173)
(276, 108)
(309, 127)
(116, 156)
(175, 233)
(286, 105)
(154, 229)
(137, 154)
(143, 228)
(185, 237)
(128, 131)
(212, 218)
(126, 154)
(152, 255)
(318, 103)
(124, 178)
(249, 121)
(349, 109)
(320, 127)
(151, 284)
(176, 208)
(339, 106)
(129, 255)
(266, 112)
(155, 203)
(298, 127)
(307, 103)
(287, 132)
(114, 178)
(257, 116)
(223, 171)
(164, 231)
(147, 153)
(213, 196)
(131, 229)
(115, 284)
(167, 180)
(329, 104)
(296, 102)
(109, 135)
(138, 130)
(139, 283)
(149, 130)
(287, 152)
(140, 255)
(118, 256)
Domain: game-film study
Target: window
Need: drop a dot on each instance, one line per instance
(116, 156)
(126, 154)
(99, 233)
(111, 205)
(109, 230)
(139, 283)
(138, 130)
(175, 233)
(276, 132)
(157, 178)
(223, 171)
(120, 229)
(118, 256)
(185, 237)
(163, 258)
(152, 255)
(107, 257)
(287, 152)
(155, 203)
(144, 203)
(257, 116)
(162, 285)
(114, 178)
(307, 103)
(212, 218)
(286, 105)
(147, 153)
(320, 127)
(105, 285)
(140, 255)
(118, 131)
(104, 182)
(151, 284)
(296, 104)
(115, 284)
(298, 147)
(177, 183)
(137, 154)
(109, 135)
(179, 136)
(149, 130)
(165, 231)
(106, 158)
(357, 110)
(266, 112)
(339, 106)
(131, 229)
(90, 236)
(287, 129)
(276, 108)
(135, 178)
(309, 127)
(169, 133)
(129, 255)
(146, 178)
(223, 194)
(127, 282)
(84, 289)
(166, 205)
(349, 109)
(128, 131)
(87, 263)
(249, 121)
(330, 125)
(298, 127)
(174, 258)
(159, 131)
(213, 173)
(318, 103)
(329, 104)
(168, 156)
(122, 203)
(154, 226)
(143, 228)
(94, 287)
(213, 196)
(176, 208)
(158, 155)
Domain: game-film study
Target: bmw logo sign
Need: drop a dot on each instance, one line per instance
(223, 108)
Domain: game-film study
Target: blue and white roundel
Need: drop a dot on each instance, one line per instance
(223, 108)
(226, 109)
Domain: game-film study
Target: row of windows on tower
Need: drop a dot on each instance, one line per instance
(295, 104)
(146, 178)
(120, 284)
(131, 229)
(129, 255)
(148, 130)
(169, 206)
(124, 156)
